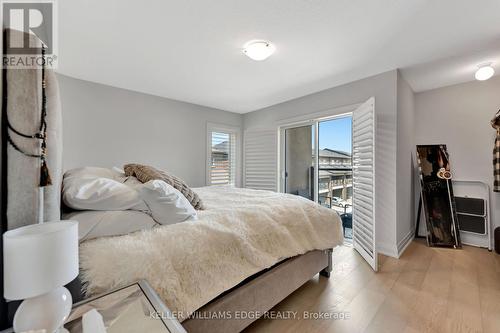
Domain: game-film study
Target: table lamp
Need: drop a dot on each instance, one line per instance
(39, 260)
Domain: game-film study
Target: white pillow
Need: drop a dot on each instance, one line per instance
(99, 189)
(96, 172)
(166, 204)
(92, 224)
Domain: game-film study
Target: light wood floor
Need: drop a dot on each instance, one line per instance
(426, 290)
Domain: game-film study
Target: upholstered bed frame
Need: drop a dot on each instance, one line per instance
(261, 292)
(20, 198)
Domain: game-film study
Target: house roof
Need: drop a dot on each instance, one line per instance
(327, 152)
(222, 147)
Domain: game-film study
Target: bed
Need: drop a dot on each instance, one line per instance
(246, 252)
(245, 243)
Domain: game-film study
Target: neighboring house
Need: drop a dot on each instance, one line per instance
(220, 166)
(335, 178)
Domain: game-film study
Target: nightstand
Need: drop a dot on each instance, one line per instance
(134, 308)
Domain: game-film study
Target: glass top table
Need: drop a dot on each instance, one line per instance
(135, 308)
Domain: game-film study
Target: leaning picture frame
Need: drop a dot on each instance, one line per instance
(437, 196)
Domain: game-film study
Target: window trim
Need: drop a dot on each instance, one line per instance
(217, 127)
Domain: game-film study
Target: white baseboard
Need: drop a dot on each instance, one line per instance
(387, 250)
(391, 250)
(403, 244)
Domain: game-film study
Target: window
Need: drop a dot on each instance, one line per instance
(222, 155)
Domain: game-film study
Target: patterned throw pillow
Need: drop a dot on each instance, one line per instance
(146, 173)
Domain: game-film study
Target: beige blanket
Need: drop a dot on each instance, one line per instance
(240, 233)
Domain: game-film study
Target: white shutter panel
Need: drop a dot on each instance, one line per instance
(363, 214)
(260, 159)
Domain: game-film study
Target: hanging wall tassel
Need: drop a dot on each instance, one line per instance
(45, 179)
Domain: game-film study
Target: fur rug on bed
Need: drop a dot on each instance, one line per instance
(240, 233)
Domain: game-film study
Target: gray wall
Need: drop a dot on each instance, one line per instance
(460, 116)
(405, 164)
(384, 88)
(107, 126)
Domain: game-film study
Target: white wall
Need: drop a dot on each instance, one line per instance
(459, 116)
(405, 167)
(107, 126)
(384, 88)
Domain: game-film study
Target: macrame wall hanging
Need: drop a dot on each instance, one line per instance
(41, 135)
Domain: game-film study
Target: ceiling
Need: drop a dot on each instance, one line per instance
(191, 50)
(451, 70)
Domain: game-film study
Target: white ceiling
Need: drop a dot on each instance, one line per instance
(451, 70)
(191, 50)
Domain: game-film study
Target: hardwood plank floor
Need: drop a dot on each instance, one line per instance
(426, 290)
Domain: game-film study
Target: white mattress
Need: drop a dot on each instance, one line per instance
(240, 233)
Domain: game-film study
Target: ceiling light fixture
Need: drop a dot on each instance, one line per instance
(258, 49)
(484, 72)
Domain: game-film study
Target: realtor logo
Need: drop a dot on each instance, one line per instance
(29, 26)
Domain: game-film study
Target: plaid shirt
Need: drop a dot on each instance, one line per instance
(495, 123)
(496, 163)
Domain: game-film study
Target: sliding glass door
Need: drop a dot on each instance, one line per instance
(317, 163)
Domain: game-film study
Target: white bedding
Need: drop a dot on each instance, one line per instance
(240, 233)
(102, 189)
(94, 224)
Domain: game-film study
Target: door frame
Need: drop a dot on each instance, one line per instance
(313, 120)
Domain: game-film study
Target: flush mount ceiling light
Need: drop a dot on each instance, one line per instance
(258, 49)
(484, 72)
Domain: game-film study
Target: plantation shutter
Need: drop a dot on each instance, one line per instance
(260, 160)
(363, 214)
(222, 158)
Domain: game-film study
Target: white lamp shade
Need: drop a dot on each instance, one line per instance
(39, 258)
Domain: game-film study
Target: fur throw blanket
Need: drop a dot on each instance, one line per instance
(145, 173)
(240, 233)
